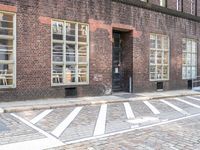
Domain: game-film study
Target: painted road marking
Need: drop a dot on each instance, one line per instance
(132, 129)
(101, 121)
(129, 112)
(34, 144)
(191, 104)
(65, 123)
(41, 116)
(175, 107)
(152, 108)
(193, 98)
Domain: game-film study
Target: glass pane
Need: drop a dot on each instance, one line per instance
(194, 59)
(189, 59)
(57, 28)
(152, 76)
(184, 58)
(70, 53)
(82, 53)
(194, 72)
(159, 57)
(184, 72)
(159, 41)
(165, 72)
(70, 73)
(6, 24)
(159, 72)
(57, 52)
(152, 69)
(57, 74)
(166, 58)
(184, 45)
(152, 41)
(70, 32)
(189, 46)
(6, 74)
(194, 47)
(82, 33)
(82, 73)
(166, 42)
(189, 73)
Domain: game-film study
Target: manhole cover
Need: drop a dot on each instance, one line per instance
(3, 127)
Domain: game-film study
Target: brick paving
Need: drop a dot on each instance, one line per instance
(179, 135)
(169, 136)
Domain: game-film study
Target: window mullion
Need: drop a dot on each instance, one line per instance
(64, 53)
(76, 52)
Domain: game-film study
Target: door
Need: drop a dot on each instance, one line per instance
(116, 63)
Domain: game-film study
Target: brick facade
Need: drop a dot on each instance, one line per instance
(103, 16)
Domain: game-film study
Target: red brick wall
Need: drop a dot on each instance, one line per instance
(34, 45)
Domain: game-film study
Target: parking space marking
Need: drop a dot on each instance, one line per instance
(197, 99)
(101, 121)
(129, 112)
(186, 102)
(65, 123)
(175, 107)
(34, 143)
(151, 107)
(40, 116)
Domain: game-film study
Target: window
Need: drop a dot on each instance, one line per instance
(179, 5)
(70, 48)
(192, 7)
(159, 57)
(163, 3)
(189, 64)
(7, 50)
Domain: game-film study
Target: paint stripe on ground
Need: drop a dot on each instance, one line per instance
(129, 112)
(41, 116)
(152, 108)
(175, 107)
(101, 121)
(186, 102)
(65, 123)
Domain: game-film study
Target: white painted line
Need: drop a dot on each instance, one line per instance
(152, 108)
(191, 104)
(129, 112)
(50, 139)
(132, 129)
(65, 123)
(41, 116)
(197, 99)
(175, 107)
(101, 121)
(38, 144)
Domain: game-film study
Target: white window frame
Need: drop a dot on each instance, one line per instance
(64, 54)
(163, 3)
(191, 58)
(162, 64)
(14, 62)
(178, 5)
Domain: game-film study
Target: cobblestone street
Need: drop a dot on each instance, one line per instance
(171, 123)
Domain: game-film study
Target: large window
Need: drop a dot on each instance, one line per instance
(159, 57)
(189, 66)
(70, 48)
(7, 50)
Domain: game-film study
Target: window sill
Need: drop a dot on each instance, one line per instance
(7, 87)
(71, 84)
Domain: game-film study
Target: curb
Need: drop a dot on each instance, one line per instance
(76, 104)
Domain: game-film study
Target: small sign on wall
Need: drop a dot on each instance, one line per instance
(117, 70)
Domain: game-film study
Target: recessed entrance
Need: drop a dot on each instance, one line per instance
(117, 62)
(122, 63)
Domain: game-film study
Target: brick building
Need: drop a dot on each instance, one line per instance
(94, 47)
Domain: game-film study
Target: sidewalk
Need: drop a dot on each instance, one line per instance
(67, 102)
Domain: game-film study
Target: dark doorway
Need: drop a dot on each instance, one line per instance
(117, 62)
(189, 84)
